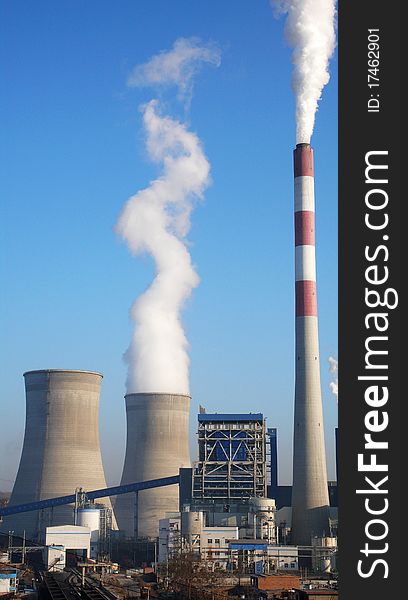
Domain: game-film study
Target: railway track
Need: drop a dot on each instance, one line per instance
(57, 588)
(94, 590)
(60, 586)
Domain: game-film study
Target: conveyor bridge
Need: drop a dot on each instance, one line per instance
(92, 495)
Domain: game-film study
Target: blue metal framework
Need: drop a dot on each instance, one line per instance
(232, 456)
(92, 495)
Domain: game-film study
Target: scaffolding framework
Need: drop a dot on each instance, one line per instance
(232, 457)
(105, 530)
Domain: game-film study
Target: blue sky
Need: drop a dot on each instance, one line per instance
(72, 152)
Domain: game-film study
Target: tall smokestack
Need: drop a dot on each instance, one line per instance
(157, 446)
(310, 498)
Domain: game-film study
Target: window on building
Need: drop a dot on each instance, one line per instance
(217, 541)
(209, 541)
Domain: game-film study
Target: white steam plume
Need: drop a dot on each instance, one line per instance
(310, 31)
(177, 66)
(156, 220)
(334, 385)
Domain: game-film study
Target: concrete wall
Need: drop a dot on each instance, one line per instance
(157, 446)
(61, 446)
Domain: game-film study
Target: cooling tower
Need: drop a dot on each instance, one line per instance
(61, 446)
(157, 446)
(310, 499)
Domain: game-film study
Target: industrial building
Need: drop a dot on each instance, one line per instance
(234, 483)
(8, 580)
(227, 497)
(257, 556)
(232, 457)
(194, 531)
(74, 540)
(221, 546)
(157, 445)
(187, 532)
(254, 517)
(229, 481)
(169, 537)
(224, 495)
(310, 499)
(61, 450)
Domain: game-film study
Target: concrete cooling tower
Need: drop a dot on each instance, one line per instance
(157, 446)
(310, 498)
(61, 446)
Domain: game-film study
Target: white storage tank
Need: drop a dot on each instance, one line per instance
(191, 523)
(90, 517)
(262, 518)
(324, 553)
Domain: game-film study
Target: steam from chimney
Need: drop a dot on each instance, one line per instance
(334, 385)
(156, 221)
(310, 31)
(177, 66)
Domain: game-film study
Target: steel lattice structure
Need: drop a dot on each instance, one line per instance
(232, 456)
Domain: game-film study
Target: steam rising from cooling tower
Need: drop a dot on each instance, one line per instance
(310, 32)
(157, 220)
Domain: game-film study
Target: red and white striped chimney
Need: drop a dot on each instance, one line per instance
(310, 498)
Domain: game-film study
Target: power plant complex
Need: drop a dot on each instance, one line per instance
(227, 508)
(201, 520)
